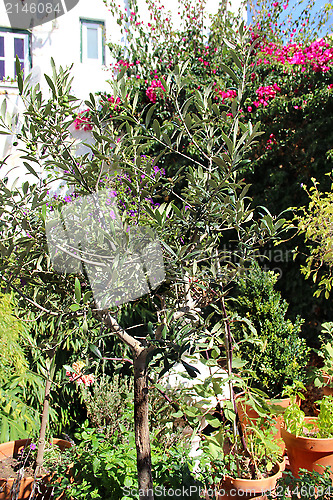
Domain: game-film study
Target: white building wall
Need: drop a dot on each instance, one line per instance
(61, 39)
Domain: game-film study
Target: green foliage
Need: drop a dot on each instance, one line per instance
(322, 428)
(309, 485)
(12, 356)
(105, 468)
(315, 222)
(17, 419)
(18, 412)
(281, 355)
(325, 417)
(219, 460)
(109, 405)
(294, 419)
(326, 353)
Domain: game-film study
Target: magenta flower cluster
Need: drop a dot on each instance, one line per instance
(266, 93)
(271, 141)
(83, 121)
(226, 94)
(151, 90)
(318, 55)
(114, 102)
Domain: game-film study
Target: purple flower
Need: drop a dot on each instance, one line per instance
(112, 214)
(33, 446)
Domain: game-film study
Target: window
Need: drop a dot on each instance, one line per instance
(13, 43)
(92, 41)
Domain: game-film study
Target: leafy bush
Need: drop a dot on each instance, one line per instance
(307, 486)
(105, 468)
(322, 427)
(315, 222)
(281, 355)
(109, 405)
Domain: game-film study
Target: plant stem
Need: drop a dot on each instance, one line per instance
(228, 346)
(45, 414)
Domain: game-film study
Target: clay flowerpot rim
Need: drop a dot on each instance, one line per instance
(270, 401)
(311, 442)
(255, 484)
(328, 378)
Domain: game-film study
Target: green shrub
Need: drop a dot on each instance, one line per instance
(105, 468)
(275, 355)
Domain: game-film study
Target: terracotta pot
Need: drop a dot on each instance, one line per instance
(308, 453)
(14, 447)
(328, 388)
(247, 415)
(246, 488)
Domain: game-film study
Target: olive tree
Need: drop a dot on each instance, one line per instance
(204, 221)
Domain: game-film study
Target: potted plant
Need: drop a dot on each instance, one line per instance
(242, 471)
(17, 460)
(252, 407)
(24, 470)
(309, 440)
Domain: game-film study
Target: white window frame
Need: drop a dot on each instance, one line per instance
(10, 57)
(99, 25)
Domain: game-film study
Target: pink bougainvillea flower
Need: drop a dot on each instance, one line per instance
(83, 121)
(156, 85)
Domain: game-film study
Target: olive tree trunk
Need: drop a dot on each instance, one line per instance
(141, 424)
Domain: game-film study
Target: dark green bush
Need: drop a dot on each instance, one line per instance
(275, 355)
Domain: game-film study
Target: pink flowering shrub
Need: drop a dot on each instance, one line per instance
(225, 94)
(318, 55)
(83, 121)
(155, 88)
(266, 93)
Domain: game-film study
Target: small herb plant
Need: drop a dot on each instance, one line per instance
(262, 453)
(294, 419)
(307, 486)
(325, 417)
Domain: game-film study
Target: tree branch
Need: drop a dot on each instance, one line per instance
(136, 347)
